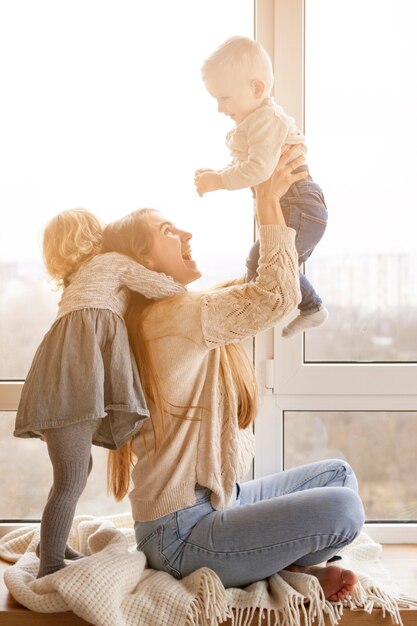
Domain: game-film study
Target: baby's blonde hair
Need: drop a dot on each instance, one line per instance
(242, 58)
(69, 239)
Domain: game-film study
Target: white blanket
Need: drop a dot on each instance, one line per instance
(113, 586)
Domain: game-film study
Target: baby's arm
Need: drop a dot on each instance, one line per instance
(266, 134)
(207, 180)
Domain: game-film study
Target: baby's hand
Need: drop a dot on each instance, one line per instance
(207, 180)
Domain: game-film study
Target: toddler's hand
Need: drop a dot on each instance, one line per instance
(207, 180)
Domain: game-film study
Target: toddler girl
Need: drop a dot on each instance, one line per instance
(83, 387)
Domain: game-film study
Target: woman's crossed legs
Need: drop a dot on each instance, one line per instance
(301, 518)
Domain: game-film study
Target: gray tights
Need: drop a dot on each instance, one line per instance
(69, 449)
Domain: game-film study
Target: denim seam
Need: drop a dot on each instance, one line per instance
(313, 218)
(147, 538)
(264, 548)
(177, 574)
(296, 488)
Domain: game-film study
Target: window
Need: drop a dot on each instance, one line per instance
(375, 443)
(105, 109)
(26, 463)
(356, 106)
(361, 126)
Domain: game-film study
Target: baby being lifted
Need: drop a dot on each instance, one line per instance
(239, 76)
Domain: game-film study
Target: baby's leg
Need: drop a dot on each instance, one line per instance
(305, 210)
(69, 449)
(312, 313)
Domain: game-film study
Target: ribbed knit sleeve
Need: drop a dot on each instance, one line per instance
(151, 284)
(233, 314)
(104, 281)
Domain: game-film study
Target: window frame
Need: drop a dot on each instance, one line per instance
(286, 382)
(279, 26)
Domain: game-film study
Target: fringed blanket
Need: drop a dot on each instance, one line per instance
(113, 586)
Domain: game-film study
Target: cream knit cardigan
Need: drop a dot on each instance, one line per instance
(185, 335)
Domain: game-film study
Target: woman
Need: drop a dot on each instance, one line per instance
(189, 508)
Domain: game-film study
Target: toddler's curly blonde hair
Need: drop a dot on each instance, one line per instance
(69, 239)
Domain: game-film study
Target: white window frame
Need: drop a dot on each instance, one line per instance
(285, 381)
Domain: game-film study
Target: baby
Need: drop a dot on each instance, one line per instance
(239, 76)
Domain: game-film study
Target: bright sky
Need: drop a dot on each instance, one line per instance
(104, 108)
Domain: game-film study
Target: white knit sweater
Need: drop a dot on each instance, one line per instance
(104, 281)
(256, 143)
(185, 336)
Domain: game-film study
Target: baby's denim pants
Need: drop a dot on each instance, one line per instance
(305, 210)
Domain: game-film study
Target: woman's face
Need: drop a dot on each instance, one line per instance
(170, 251)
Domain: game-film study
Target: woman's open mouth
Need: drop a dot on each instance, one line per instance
(187, 255)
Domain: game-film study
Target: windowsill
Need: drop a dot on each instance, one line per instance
(8, 527)
(392, 533)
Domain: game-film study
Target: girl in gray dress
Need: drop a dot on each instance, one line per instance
(83, 386)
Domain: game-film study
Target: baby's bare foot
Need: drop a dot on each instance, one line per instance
(336, 582)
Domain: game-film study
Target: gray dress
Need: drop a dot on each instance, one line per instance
(84, 368)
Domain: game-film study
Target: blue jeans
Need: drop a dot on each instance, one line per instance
(302, 516)
(304, 209)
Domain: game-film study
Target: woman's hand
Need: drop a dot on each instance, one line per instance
(283, 177)
(269, 193)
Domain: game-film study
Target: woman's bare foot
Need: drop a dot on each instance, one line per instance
(336, 582)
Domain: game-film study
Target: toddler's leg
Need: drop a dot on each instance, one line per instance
(70, 553)
(69, 449)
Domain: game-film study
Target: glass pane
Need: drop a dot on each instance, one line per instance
(361, 127)
(106, 109)
(26, 464)
(378, 445)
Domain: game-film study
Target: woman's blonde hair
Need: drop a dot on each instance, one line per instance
(132, 235)
(242, 58)
(69, 239)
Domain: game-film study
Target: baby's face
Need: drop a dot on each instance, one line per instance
(236, 99)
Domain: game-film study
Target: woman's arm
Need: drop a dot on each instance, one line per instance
(233, 314)
(269, 193)
(264, 194)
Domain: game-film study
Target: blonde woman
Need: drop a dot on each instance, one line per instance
(83, 388)
(189, 506)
